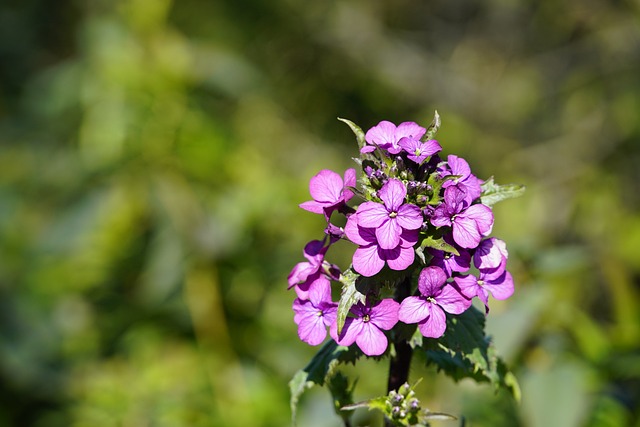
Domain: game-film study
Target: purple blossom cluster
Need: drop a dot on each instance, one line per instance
(419, 214)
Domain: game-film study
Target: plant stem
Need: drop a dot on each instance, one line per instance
(400, 363)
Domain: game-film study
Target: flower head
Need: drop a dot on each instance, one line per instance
(469, 223)
(499, 284)
(427, 310)
(365, 328)
(391, 218)
(314, 315)
(369, 258)
(329, 191)
(465, 181)
(417, 150)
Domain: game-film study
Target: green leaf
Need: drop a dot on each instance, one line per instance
(493, 193)
(435, 241)
(356, 130)
(375, 403)
(465, 352)
(320, 368)
(350, 296)
(433, 127)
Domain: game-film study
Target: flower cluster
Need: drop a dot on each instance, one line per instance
(418, 213)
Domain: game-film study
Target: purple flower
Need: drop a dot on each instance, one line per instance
(386, 136)
(314, 315)
(469, 223)
(499, 284)
(365, 329)
(391, 218)
(418, 150)
(329, 191)
(466, 181)
(304, 275)
(436, 297)
(449, 262)
(370, 258)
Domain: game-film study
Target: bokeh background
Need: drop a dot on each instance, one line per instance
(153, 154)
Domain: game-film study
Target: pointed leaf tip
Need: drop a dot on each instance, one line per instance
(433, 127)
(356, 130)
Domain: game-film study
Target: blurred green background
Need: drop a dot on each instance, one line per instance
(153, 154)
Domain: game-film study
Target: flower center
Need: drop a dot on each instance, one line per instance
(431, 300)
(481, 282)
(417, 152)
(366, 318)
(319, 313)
(393, 214)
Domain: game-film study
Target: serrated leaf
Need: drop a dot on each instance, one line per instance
(342, 394)
(356, 130)
(493, 193)
(349, 296)
(433, 127)
(465, 352)
(321, 365)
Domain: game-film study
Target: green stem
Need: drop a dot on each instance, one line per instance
(400, 363)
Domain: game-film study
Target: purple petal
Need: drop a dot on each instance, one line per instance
(441, 217)
(430, 147)
(399, 258)
(482, 215)
(431, 280)
(350, 331)
(367, 260)
(388, 234)
(409, 217)
(326, 186)
(320, 292)
(312, 329)
(490, 254)
(409, 129)
(349, 181)
(414, 310)
(452, 301)
(435, 325)
(314, 251)
(313, 206)
(408, 238)
(454, 199)
(501, 288)
(465, 232)
(371, 214)
(409, 144)
(299, 273)
(468, 285)
(459, 166)
(330, 313)
(359, 235)
(317, 279)
(371, 340)
(385, 314)
(382, 135)
(393, 194)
